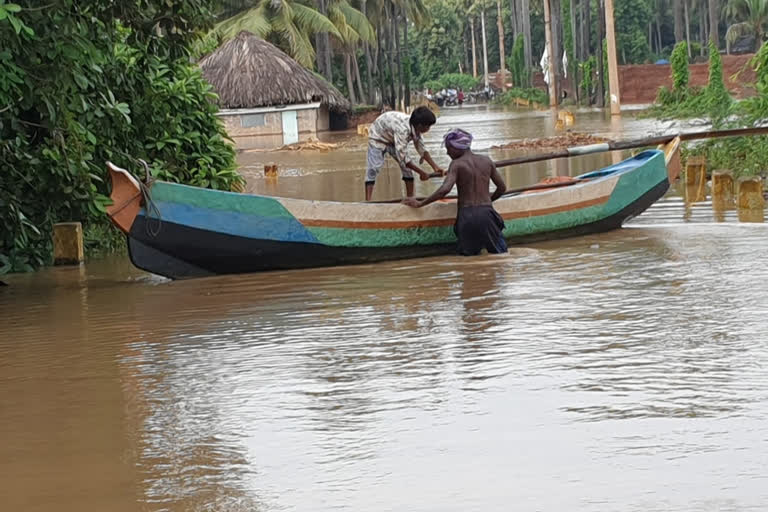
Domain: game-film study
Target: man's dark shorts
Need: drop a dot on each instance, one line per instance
(478, 228)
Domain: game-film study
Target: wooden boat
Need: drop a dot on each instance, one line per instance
(180, 231)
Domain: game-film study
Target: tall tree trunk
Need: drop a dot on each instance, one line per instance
(360, 93)
(677, 7)
(474, 50)
(465, 57)
(350, 86)
(599, 51)
(370, 99)
(381, 66)
(526, 22)
(574, 59)
(515, 17)
(687, 27)
(485, 48)
(586, 28)
(407, 76)
(704, 22)
(388, 54)
(369, 74)
(323, 45)
(651, 40)
(555, 12)
(548, 36)
(658, 35)
(502, 63)
(398, 58)
(714, 11)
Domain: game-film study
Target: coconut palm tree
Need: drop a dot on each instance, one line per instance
(353, 27)
(751, 17)
(285, 22)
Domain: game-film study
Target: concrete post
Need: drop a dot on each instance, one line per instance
(68, 243)
(722, 190)
(751, 202)
(695, 179)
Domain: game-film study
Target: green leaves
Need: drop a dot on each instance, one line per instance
(8, 13)
(78, 88)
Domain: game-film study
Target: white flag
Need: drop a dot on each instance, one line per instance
(544, 63)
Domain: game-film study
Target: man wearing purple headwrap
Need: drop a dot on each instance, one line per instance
(478, 226)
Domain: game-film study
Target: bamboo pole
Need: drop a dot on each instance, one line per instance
(613, 65)
(550, 52)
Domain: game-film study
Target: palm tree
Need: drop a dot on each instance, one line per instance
(500, 23)
(352, 27)
(754, 14)
(286, 22)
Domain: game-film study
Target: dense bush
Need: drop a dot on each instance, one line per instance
(453, 81)
(85, 81)
(530, 94)
(712, 102)
(743, 155)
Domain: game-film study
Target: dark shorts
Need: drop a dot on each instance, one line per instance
(478, 228)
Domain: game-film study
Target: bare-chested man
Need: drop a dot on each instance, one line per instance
(478, 226)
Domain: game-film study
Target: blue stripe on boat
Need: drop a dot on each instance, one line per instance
(286, 229)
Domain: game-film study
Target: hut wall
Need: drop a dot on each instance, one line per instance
(307, 122)
(264, 130)
(323, 119)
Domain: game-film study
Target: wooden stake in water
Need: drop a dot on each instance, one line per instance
(68, 243)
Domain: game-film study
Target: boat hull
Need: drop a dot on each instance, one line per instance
(192, 232)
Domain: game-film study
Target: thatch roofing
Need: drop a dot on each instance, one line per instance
(248, 72)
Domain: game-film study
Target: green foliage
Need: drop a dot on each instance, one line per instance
(530, 94)
(78, 88)
(755, 110)
(565, 9)
(679, 62)
(632, 18)
(711, 102)
(438, 42)
(717, 95)
(745, 156)
(587, 69)
(521, 75)
(453, 81)
(286, 23)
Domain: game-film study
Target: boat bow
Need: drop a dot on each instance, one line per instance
(126, 198)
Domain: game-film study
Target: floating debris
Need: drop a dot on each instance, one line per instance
(566, 140)
(311, 144)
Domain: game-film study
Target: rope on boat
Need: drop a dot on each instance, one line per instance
(153, 212)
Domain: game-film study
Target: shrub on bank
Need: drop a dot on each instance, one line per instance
(89, 81)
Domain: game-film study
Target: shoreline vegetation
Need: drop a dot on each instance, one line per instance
(745, 156)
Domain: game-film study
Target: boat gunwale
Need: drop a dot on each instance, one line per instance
(517, 195)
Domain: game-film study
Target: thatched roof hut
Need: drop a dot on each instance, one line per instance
(249, 72)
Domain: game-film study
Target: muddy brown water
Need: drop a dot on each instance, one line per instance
(623, 371)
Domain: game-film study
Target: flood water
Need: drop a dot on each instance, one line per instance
(339, 175)
(617, 372)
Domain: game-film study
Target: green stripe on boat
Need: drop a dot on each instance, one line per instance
(218, 200)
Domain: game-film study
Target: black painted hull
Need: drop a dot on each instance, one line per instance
(179, 251)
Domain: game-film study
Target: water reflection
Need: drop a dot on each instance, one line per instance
(416, 385)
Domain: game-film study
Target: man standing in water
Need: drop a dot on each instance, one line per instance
(390, 134)
(478, 226)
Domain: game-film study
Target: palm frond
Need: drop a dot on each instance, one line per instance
(311, 21)
(737, 31)
(358, 22)
(253, 20)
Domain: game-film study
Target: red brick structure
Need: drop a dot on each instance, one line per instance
(641, 82)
